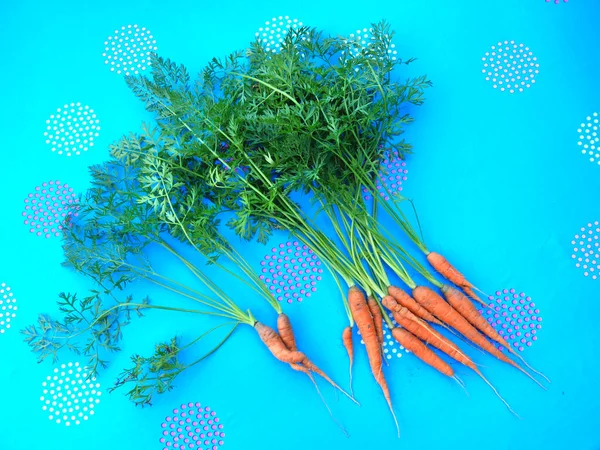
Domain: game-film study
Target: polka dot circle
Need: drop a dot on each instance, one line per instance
(362, 39)
(510, 67)
(273, 33)
(392, 175)
(47, 207)
(588, 138)
(129, 50)
(72, 129)
(8, 307)
(516, 318)
(192, 426)
(586, 253)
(69, 396)
(291, 272)
(391, 347)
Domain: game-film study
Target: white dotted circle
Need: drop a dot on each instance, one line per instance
(586, 251)
(8, 307)
(72, 129)
(391, 347)
(273, 33)
(362, 39)
(129, 50)
(510, 67)
(588, 138)
(69, 396)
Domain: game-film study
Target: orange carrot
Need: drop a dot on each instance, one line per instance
(426, 333)
(421, 351)
(447, 270)
(377, 318)
(364, 321)
(347, 340)
(408, 302)
(447, 314)
(423, 331)
(286, 332)
(466, 308)
(276, 346)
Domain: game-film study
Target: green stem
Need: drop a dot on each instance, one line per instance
(217, 347)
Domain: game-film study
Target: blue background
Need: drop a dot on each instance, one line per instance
(500, 185)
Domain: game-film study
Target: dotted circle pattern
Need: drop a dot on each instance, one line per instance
(393, 174)
(47, 207)
(364, 38)
(515, 317)
(291, 271)
(192, 427)
(273, 33)
(510, 66)
(129, 50)
(69, 395)
(8, 307)
(390, 345)
(588, 138)
(586, 252)
(72, 129)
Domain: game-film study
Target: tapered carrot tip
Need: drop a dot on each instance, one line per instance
(349, 346)
(471, 293)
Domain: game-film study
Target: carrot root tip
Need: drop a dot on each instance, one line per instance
(497, 394)
(529, 367)
(326, 405)
(461, 383)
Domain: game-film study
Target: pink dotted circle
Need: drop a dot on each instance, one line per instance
(510, 67)
(47, 207)
(586, 251)
(516, 318)
(192, 427)
(291, 271)
(557, 1)
(392, 174)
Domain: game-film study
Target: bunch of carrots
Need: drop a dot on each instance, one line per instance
(258, 130)
(317, 118)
